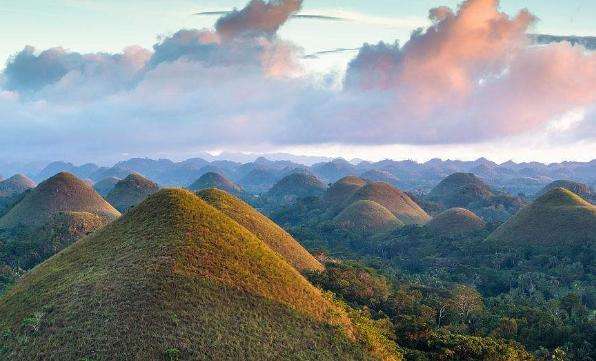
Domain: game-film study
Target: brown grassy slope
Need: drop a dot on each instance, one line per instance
(173, 274)
(397, 202)
(340, 192)
(367, 217)
(215, 180)
(559, 217)
(264, 228)
(131, 191)
(455, 221)
(61, 193)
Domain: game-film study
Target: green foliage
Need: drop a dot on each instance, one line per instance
(172, 354)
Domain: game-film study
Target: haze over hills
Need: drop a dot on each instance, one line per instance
(131, 191)
(215, 180)
(186, 278)
(294, 186)
(105, 186)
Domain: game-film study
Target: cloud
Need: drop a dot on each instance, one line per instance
(257, 18)
(471, 77)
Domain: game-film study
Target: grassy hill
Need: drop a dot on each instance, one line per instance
(175, 278)
(131, 191)
(339, 193)
(459, 190)
(11, 191)
(557, 218)
(61, 193)
(397, 202)
(215, 180)
(296, 185)
(105, 186)
(368, 218)
(264, 228)
(582, 190)
(455, 221)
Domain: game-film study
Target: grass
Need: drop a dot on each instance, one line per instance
(456, 221)
(340, 192)
(264, 228)
(175, 273)
(559, 218)
(131, 191)
(61, 193)
(397, 202)
(368, 218)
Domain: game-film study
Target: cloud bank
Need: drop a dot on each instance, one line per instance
(470, 77)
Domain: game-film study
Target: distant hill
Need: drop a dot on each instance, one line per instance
(557, 218)
(334, 170)
(264, 228)
(131, 191)
(459, 190)
(176, 279)
(105, 186)
(376, 175)
(11, 190)
(216, 180)
(367, 218)
(581, 189)
(455, 221)
(259, 180)
(397, 202)
(294, 186)
(61, 193)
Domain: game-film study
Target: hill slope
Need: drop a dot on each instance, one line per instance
(61, 193)
(455, 221)
(175, 277)
(105, 186)
(367, 217)
(11, 191)
(340, 192)
(582, 190)
(397, 202)
(131, 191)
(264, 228)
(459, 190)
(558, 218)
(215, 180)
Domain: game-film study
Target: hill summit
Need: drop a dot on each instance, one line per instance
(216, 180)
(15, 185)
(131, 191)
(296, 185)
(582, 190)
(368, 218)
(455, 221)
(459, 190)
(174, 276)
(557, 218)
(61, 193)
(264, 228)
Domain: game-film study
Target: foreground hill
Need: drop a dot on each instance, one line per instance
(61, 193)
(367, 218)
(397, 202)
(105, 186)
(215, 180)
(264, 228)
(455, 221)
(294, 186)
(131, 191)
(174, 279)
(558, 218)
(581, 189)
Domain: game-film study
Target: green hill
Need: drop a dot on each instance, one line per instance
(455, 221)
(105, 186)
(264, 228)
(459, 190)
(174, 278)
(131, 191)
(61, 193)
(294, 186)
(368, 218)
(397, 202)
(558, 218)
(11, 191)
(339, 193)
(216, 180)
(582, 190)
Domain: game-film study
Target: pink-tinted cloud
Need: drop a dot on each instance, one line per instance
(257, 18)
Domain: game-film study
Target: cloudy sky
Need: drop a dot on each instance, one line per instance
(104, 80)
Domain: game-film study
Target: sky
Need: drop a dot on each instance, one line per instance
(264, 88)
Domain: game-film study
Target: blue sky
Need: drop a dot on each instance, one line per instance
(110, 25)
